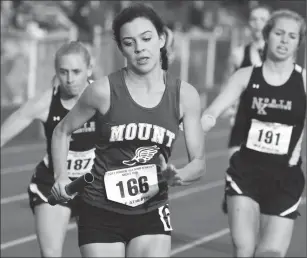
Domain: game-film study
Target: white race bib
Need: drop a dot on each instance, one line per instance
(273, 138)
(79, 163)
(132, 186)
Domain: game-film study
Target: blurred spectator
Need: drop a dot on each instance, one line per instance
(196, 15)
(79, 15)
(6, 13)
(14, 72)
(40, 18)
(203, 15)
(19, 20)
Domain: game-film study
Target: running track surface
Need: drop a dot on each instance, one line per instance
(200, 228)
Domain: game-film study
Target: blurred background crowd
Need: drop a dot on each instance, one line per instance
(204, 32)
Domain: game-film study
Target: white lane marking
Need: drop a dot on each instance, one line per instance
(186, 192)
(175, 251)
(18, 169)
(15, 198)
(23, 196)
(200, 241)
(209, 238)
(173, 196)
(21, 148)
(26, 239)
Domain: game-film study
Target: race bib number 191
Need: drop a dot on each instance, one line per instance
(132, 186)
(273, 138)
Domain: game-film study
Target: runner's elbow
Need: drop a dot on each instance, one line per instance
(60, 130)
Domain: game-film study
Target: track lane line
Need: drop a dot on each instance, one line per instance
(28, 167)
(71, 226)
(178, 162)
(209, 238)
(176, 250)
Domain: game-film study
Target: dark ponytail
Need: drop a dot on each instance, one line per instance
(164, 59)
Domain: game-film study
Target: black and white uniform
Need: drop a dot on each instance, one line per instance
(129, 196)
(250, 57)
(80, 156)
(268, 166)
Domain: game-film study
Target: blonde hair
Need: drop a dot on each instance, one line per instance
(73, 47)
(285, 13)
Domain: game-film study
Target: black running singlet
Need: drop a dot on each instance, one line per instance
(275, 117)
(82, 144)
(131, 138)
(239, 124)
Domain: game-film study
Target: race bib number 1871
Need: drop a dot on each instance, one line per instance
(132, 186)
(273, 138)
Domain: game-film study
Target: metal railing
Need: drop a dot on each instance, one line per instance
(27, 64)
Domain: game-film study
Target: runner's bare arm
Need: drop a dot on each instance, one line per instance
(230, 94)
(35, 108)
(234, 62)
(195, 142)
(94, 97)
(298, 147)
(304, 78)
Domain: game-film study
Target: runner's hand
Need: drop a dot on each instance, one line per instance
(171, 175)
(207, 122)
(58, 189)
(169, 172)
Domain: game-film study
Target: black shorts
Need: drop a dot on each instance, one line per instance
(40, 188)
(277, 190)
(96, 225)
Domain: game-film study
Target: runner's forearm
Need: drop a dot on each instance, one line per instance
(59, 151)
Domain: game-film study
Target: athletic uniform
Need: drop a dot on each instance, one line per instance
(236, 133)
(80, 156)
(268, 166)
(238, 121)
(129, 197)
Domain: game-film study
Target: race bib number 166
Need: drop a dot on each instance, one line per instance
(132, 186)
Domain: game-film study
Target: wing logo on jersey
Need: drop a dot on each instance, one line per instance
(142, 155)
(56, 118)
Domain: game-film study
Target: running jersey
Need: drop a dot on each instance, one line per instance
(81, 150)
(275, 118)
(251, 58)
(130, 140)
(237, 120)
(246, 58)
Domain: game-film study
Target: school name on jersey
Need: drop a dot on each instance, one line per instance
(87, 128)
(143, 132)
(261, 104)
